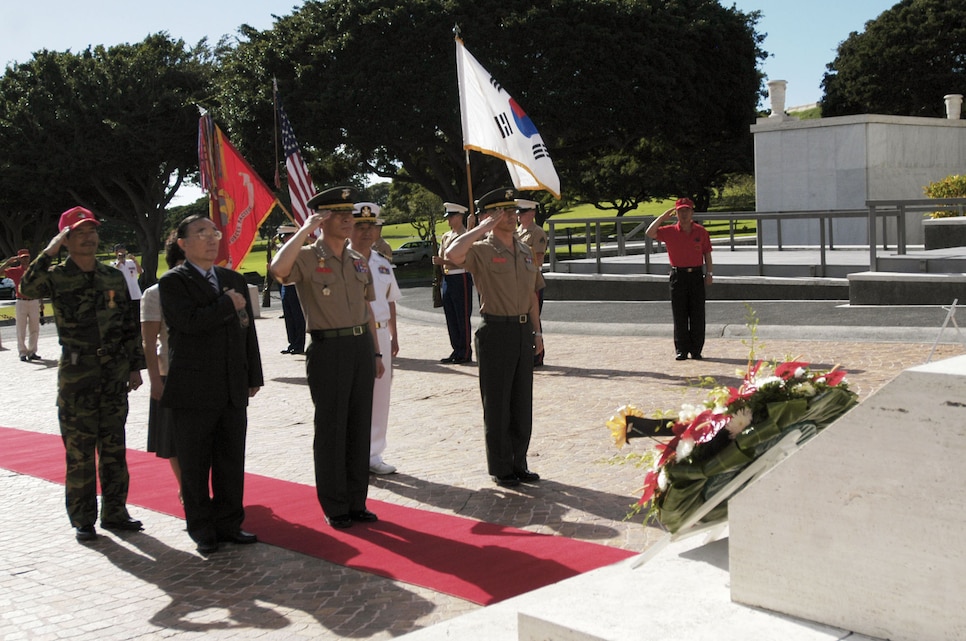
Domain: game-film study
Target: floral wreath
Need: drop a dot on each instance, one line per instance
(713, 442)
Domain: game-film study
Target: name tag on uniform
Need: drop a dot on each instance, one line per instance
(498, 259)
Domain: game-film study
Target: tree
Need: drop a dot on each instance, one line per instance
(375, 81)
(903, 64)
(112, 129)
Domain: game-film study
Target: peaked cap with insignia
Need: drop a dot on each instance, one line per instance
(367, 213)
(498, 198)
(454, 209)
(334, 199)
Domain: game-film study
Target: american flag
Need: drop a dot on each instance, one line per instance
(300, 186)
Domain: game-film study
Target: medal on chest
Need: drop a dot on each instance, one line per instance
(111, 304)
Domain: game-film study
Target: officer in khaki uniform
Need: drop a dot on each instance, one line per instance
(507, 278)
(101, 362)
(342, 361)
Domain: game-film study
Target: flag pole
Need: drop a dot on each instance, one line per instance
(470, 222)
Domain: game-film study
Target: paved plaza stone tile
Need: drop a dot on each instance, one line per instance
(154, 584)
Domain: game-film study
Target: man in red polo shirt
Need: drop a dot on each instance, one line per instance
(689, 252)
(27, 310)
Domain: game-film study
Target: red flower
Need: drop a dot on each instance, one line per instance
(650, 486)
(834, 377)
(787, 370)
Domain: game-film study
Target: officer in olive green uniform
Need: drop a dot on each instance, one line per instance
(507, 278)
(342, 361)
(101, 362)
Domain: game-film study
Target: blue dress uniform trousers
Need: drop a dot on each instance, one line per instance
(457, 296)
(294, 319)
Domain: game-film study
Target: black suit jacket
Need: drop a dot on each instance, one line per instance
(213, 360)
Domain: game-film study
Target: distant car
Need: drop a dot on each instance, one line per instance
(7, 289)
(413, 251)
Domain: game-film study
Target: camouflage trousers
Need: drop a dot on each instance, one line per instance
(92, 408)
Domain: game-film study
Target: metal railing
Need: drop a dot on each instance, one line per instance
(596, 242)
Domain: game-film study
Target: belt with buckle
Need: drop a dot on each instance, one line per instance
(355, 330)
(687, 269)
(520, 318)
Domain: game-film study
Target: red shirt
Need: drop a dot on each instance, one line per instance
(685, 250)
(15, 274)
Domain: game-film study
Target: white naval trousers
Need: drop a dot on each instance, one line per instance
(380, 397)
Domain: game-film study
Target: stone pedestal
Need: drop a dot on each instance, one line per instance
(862, 528)
(939, 233)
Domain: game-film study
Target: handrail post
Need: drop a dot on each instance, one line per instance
(873, 241)
(778, 235)
(597, 242)
(901, 231)
(553, 246)
(760, 235)
(821, 245)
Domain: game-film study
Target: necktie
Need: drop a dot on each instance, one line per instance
(210, 275)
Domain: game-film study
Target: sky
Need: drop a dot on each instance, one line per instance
(801, 37)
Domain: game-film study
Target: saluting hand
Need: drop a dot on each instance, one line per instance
(53, 247)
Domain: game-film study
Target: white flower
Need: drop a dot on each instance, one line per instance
(800, 373)
(688, 413)
(684, 449)
(739, 421)
(805, 389)
(662, 480)
(769, 380)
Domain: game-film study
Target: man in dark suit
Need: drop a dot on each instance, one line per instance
(214, 368)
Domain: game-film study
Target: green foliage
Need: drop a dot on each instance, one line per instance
(948, 187)
(904, 62)
(737, 194)
(112, 129)
(375, 80)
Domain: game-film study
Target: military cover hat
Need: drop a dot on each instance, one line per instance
(525, 205)
(334, 199)
(285, 230)
(497, 198)
(454, 209)
(367, 213)
(75, 216)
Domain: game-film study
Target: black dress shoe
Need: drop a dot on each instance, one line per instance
(681, 356)
(285, 351)
(460, 361)
(240, 536)
(448, 359)
(341, 522)
(509, 480)
(527, 476)
(363, 516)
(34, 357)
(697, 357)
(85, 533)
(126, 525)
(207, 546)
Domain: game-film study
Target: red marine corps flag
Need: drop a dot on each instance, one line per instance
(239, 201)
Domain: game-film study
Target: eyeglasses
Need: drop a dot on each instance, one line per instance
(208, 234)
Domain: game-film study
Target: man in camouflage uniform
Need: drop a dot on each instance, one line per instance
(101, 362)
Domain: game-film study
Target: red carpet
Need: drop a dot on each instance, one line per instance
(472, 560)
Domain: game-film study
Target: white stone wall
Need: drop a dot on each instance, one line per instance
(840, 163)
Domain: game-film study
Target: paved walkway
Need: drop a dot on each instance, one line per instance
(155, 584)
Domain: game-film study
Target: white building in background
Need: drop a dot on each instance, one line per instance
(841, 162)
